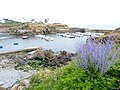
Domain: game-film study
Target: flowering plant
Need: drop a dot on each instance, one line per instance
(96, 57)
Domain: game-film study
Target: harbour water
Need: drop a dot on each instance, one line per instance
(14, 43)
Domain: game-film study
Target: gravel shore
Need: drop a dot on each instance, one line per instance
(10, 77)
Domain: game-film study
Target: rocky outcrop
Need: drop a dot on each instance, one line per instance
(10, 60)
(117, 30)
(39, 53)
(46, 58)
(50, 59)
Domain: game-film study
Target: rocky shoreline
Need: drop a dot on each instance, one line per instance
(18, 66)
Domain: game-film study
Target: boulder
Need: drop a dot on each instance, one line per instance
(37, 54)
(2, 88)
(25, 83)
(49, 54)
(66, 56)
(21, 88)
(15, 87)
(20, 61)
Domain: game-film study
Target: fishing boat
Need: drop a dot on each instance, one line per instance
(70, 36)
(40, 36)
(25, 37)
(67, 35)
(47, 38)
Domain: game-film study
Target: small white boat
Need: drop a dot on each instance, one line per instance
(47, 38)
(70, 36)
(25, 37)
(40, 36)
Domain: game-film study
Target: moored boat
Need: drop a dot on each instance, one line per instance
(70, 36)
(47, 38)
(15, 43)
(25, 37)
(40, 36)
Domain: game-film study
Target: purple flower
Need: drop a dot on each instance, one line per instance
(97, 56)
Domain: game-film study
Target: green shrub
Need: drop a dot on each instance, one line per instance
(73, 78)
(35, 64)
(114, 71)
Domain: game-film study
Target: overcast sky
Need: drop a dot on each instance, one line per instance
(70, 12)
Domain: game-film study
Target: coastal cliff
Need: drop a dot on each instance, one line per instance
(33, 28)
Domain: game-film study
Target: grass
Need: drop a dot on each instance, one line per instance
(12, 24)
(70, 77)
(117, 46)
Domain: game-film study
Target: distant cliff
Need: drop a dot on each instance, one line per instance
(32, 28)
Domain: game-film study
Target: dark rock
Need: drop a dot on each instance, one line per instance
(49, 59)
(38, 54)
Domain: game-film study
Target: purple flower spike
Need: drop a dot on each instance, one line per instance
(97, 56)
